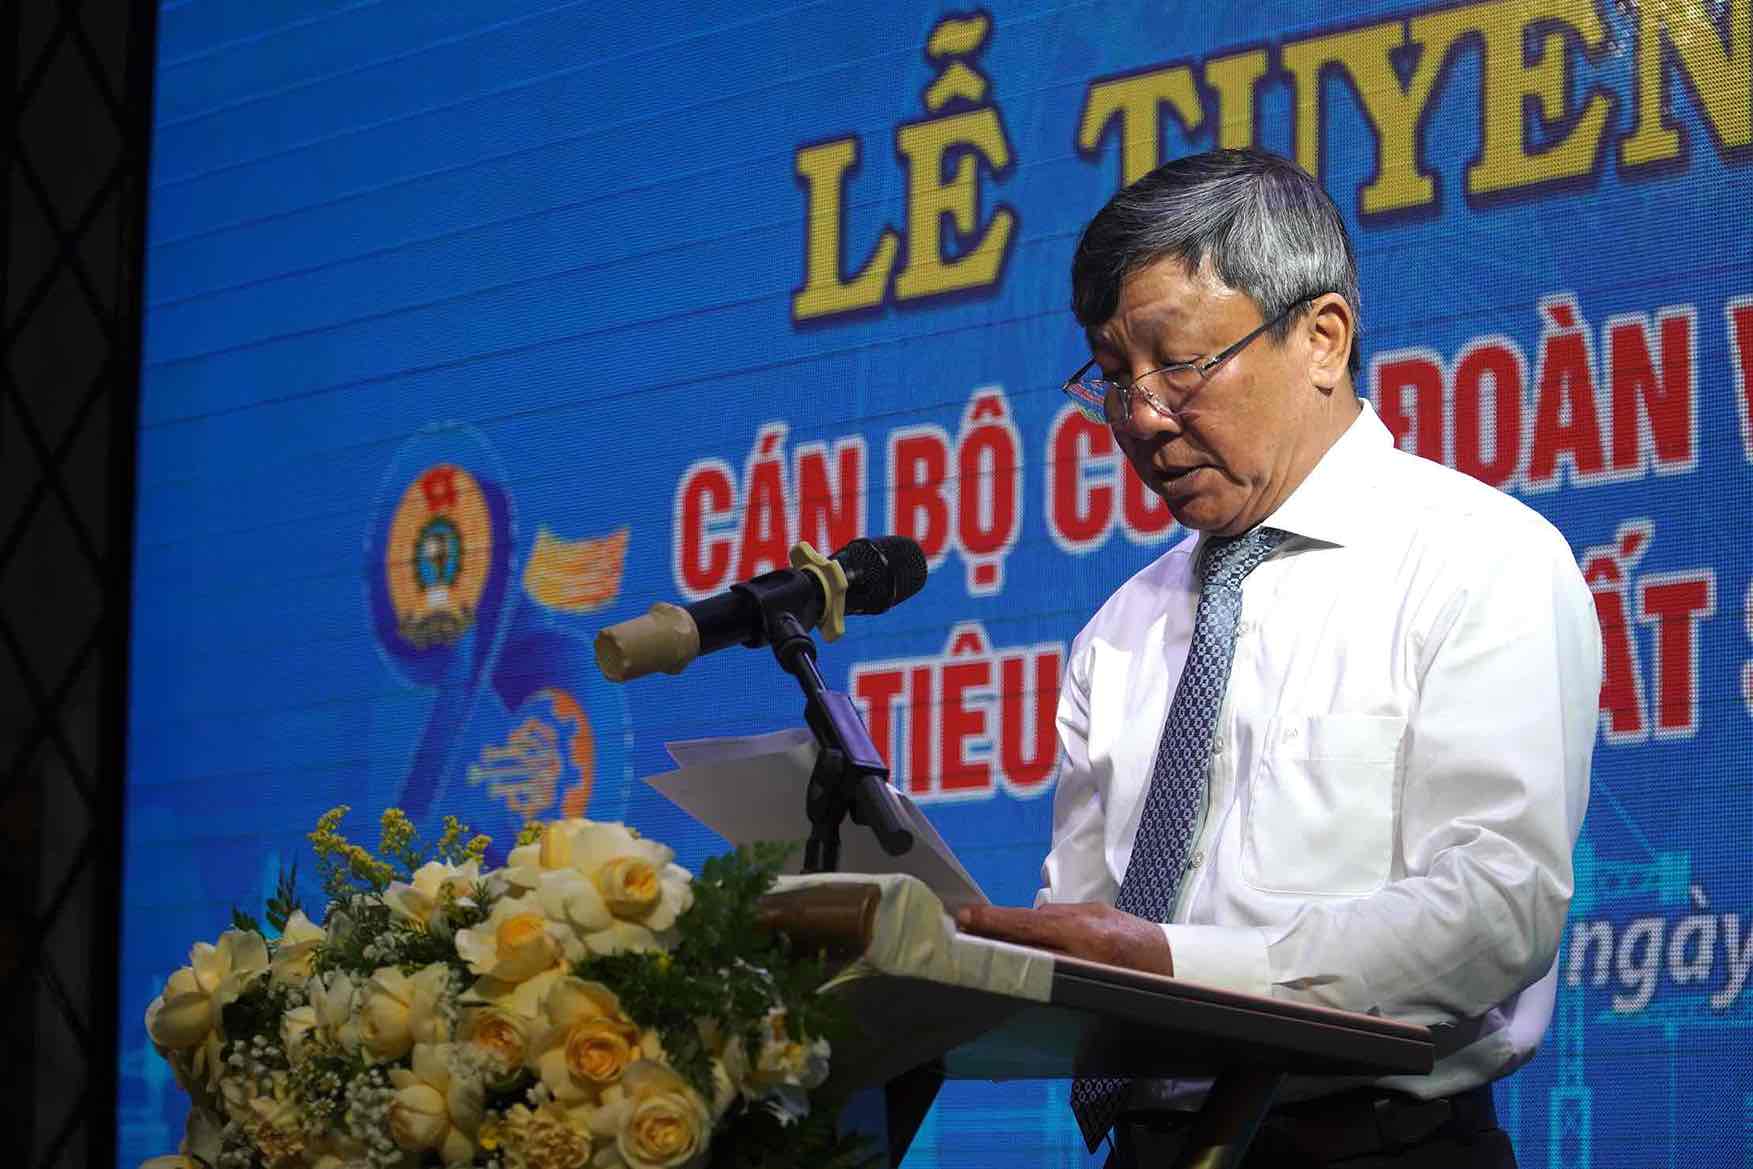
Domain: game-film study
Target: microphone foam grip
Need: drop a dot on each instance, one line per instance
(889, 569)
(666, 639)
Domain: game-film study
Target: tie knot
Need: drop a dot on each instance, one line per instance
(1229, 559)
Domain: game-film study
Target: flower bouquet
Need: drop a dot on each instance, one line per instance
(588, 1004)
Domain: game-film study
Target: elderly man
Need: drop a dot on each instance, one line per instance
(1335, 746)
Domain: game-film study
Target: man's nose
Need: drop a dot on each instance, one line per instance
(1141, 419)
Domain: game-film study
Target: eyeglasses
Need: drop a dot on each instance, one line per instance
(1103, 400)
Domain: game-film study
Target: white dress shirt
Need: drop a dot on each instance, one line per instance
(1399, 771)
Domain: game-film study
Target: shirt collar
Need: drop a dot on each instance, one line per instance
(1332, 504)
(1327, 505)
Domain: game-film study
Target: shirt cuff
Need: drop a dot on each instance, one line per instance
(1229, 957)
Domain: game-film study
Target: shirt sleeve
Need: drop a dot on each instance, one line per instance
(1225, 956)
(1076, 869)
(1495, 781)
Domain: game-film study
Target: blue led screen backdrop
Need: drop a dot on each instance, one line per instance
(573, 307)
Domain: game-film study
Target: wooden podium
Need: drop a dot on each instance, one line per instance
(934, 1006)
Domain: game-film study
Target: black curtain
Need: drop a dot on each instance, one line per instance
(76, 80)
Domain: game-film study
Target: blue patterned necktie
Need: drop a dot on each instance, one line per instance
(1177, 780)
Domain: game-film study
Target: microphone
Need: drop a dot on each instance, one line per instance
(866, 576)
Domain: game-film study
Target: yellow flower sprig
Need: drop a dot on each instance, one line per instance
(343, 863)
(346, 865)
(451, 846)
(396, 838)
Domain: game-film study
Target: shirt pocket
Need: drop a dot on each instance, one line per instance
(1320, 816)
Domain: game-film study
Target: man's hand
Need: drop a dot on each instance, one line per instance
(1090, 930)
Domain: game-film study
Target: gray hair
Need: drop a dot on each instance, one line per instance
(1268, 229)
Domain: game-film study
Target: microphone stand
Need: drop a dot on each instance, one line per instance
(849, 775)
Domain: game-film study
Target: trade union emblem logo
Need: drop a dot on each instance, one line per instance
(438, 555)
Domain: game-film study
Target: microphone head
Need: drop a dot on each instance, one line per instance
(881, 572)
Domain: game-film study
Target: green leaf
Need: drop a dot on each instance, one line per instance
(284, 902)
(254, 1012)
(243, 921)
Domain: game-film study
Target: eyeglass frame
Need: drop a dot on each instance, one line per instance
(1205, 367)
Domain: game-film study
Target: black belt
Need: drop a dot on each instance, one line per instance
(1359, 1121)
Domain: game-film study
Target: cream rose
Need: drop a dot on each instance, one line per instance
(419, 1118)
(577, 906)
(661, 1122)
(397, 1011)
(635, 878)
(515, 943)
(550, 852)
(588, 1042)
(630, 886)
(188, 1010)
(526, 940)
(186, 1017)
(326, 1017)
(433, 1108)
(500, 1038)
(434, 881)
(296, 952)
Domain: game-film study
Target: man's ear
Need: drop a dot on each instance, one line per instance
(1331, 332)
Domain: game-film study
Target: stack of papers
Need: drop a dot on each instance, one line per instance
(752, 788)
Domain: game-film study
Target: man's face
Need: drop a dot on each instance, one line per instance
(1237, 449)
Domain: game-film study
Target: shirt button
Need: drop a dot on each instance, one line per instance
(1197, 859)
(1244, 629)
(1290, 734)
(1217, 746)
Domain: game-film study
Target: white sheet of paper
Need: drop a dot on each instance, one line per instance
(751, 788)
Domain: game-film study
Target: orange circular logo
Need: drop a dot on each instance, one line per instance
(440, 548)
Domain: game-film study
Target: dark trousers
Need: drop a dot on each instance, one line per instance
(1360, 1129)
